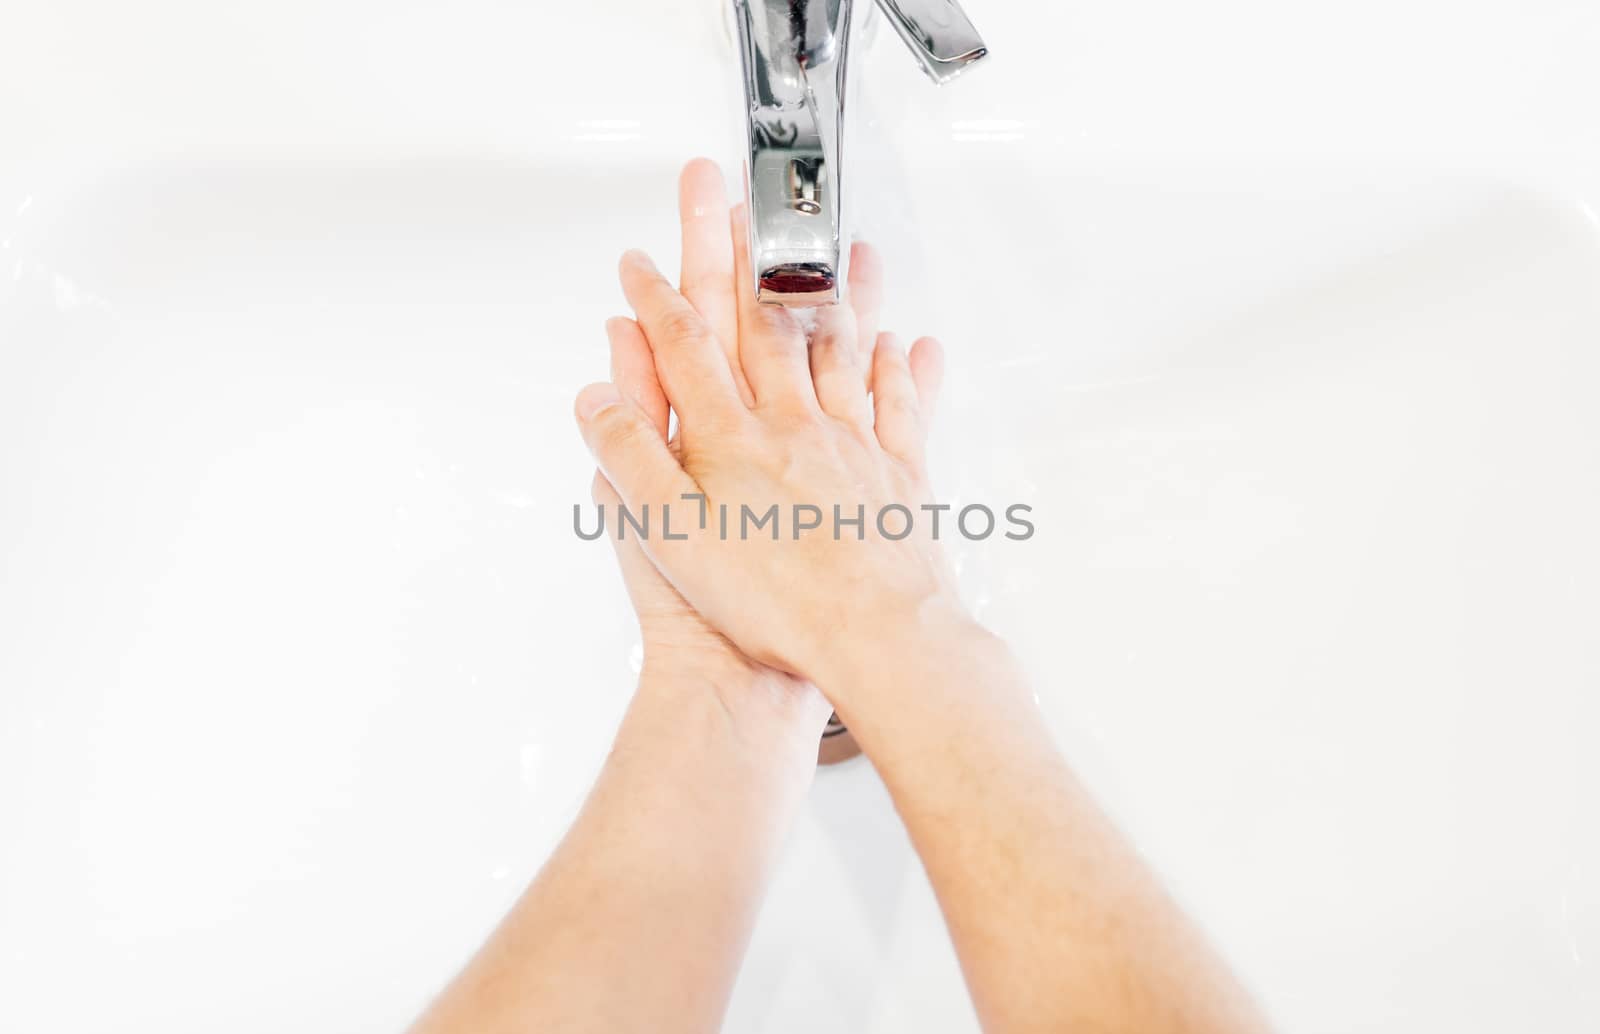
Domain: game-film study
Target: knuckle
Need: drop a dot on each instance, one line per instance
(792, 421)
(622, 434)
(719, 424)
(835, 348)
(681, 326)
(786, 462)
(900, 405)
(776, 321)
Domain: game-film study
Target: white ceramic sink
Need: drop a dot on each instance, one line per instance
(1286, 322)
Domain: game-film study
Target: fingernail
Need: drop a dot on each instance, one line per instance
(637, 258)
(596, 399)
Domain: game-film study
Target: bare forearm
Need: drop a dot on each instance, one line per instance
(639, 919)
(1058, 924)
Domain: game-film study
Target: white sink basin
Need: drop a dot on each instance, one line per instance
(302, 670)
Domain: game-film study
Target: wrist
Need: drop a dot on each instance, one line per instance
(760, 707)
(905, 651)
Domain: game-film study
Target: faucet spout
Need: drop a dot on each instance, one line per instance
(794, 58)
(793, 55)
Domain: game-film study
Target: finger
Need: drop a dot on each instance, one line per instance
(690, 364)
(633, 371)
(836, 367)
(772, 346)
(638, 572)
(894, 401)
(866, 299)
(629, 450)
(707, 269)
(926, 360)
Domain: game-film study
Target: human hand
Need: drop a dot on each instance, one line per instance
(762, 423)
(681, 651)
(680, 647)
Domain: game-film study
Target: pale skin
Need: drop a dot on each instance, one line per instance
(640, 918)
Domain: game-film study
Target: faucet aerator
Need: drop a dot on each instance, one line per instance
(798, 284)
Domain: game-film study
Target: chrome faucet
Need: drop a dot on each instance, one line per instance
(794, 56)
